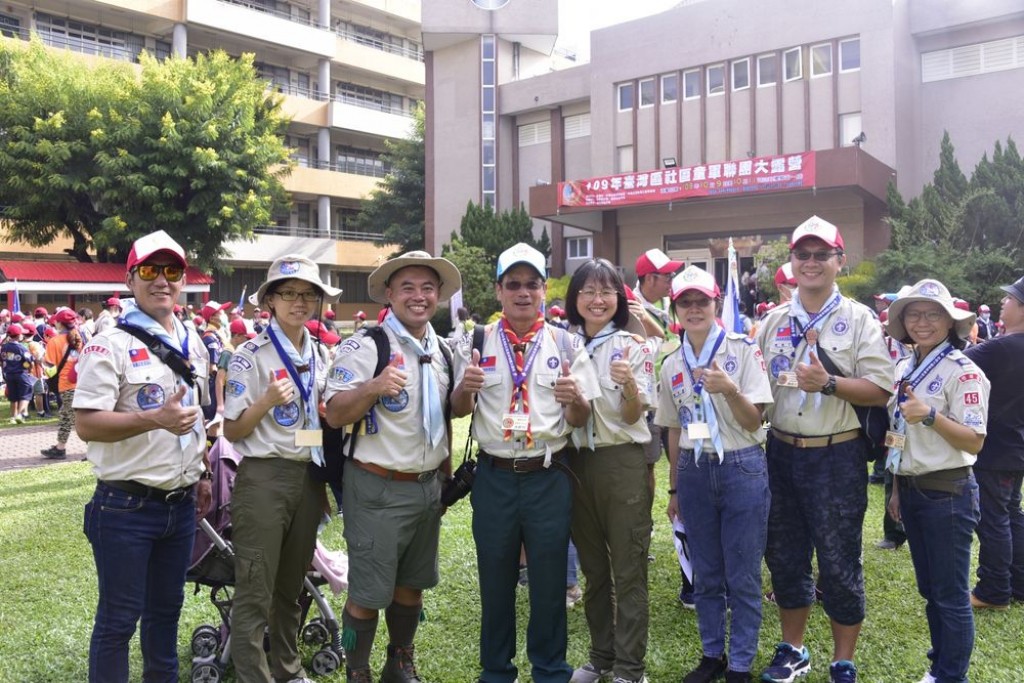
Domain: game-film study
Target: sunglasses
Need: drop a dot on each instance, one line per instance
(700, 302)
(821, 256)
(516, 285)
(150, 272)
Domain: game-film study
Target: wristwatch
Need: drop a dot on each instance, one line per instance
(930, 419)
(206, 474)
(830, 386)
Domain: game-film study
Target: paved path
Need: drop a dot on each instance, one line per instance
(20, 446)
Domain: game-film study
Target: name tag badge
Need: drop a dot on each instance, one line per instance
(517, 422)
(788, 379)
(698, 430)
(309, 437)
(895, 440)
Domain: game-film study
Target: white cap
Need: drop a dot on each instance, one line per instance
(696, 279)
(522, 253)
(820, 228)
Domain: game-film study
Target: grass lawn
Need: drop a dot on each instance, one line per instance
(48, 594)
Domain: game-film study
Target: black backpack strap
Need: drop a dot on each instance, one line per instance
(169, 356)
(379, 337)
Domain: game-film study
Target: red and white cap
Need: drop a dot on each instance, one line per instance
(212, 308)
(15, 330)
(984, 308)
(696, 279)
(655, 261)
(784, 275)
(820, 228)
(238, 327)
(112, 302)
(359, 315)
(152, 244)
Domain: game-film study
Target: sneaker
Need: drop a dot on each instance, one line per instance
(573, 594)
(977, 603)
(588, 673)
(787, 665)
(737, 677)
(13, 421)
(928, 678)
(843, 671)
(686, 598)
(300, 679)
(620, 679)
(54, 453)
(888, 544)
(358, 675)
(524, 577)
(710, 669)
(400, 666)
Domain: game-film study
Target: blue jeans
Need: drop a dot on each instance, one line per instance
(142, 550)
(940, 529)
(1000, 537)
(725, 509)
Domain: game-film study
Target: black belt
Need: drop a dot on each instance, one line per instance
(951, 481)
(171, 497)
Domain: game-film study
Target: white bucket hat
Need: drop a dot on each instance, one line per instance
(294, 267)
(447, 273)
(935, 292)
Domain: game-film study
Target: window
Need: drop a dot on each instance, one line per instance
(10, 27)
(821, 60)
(669, 88)
(716, 79)
(849, 55)
(647, 92)
(741, 74)
(792, 65)
(626, 96)
(488, 111)
(534, 133)
(577, 247)
(767, 70)
(691, 84)
(625, 159)
(577, 126)
(849, 128)
(302, 215)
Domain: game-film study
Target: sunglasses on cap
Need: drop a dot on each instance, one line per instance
(150, 272)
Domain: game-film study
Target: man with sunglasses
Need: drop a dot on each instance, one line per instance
(141, 418)
(816, 459)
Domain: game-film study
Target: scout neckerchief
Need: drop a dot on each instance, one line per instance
(703, 411)
(298, 368)
(514, 348)
(433, 413)
(912, 378)
(606, 333)
(802, 326)
(132, 315)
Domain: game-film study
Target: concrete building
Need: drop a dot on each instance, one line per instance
(351, 73)
(716, 118)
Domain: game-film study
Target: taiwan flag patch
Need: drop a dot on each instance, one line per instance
(677, 380)
(784, 332)
(138, 357)
(489, 363)
(280, 373)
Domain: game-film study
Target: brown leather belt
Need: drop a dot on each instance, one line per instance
(517, 465)
(815, 441)
(395, 475)
(945, 481)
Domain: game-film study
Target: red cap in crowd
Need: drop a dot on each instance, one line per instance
(30, 328)
(112, 302)
(655, 261)
(65, 317)
(238, 327)
(212, 308)
(318, 330)
(15, 330)
(329, 314)
(41, 312)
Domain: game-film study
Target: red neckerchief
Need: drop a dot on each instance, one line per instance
(518, 345)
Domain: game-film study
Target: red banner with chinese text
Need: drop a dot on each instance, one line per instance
(761, 174)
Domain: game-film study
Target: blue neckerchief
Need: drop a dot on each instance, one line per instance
(606, 333)
(704, 411)
(433, 412)
(305, 382)
(913, 378)
(806, 323)
(136, 317)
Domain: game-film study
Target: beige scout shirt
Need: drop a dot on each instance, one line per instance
(958, 389)
(398, 441)
(739, 358)
(609, 429)
(248, 377)
(852, 338)
(547, 417)
(116, 372)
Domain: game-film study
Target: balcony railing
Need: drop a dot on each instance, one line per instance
(377, 44)
(298, 91)
(356, 101)
(336, 233)
(354, 167)
(287, 16)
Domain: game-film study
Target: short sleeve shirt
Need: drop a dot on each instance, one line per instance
(609, 429)
(852, 338)
(116, 372)
(393, 435)
(739, 358)
(248, 378)
(958, 389)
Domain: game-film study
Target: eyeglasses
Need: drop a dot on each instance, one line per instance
(516, 285)
(591, 294)
(150, 272)
(932, 316)
(821, 256)
(291, 295)
(693, 303)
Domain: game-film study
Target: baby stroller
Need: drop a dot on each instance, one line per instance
(213, 566)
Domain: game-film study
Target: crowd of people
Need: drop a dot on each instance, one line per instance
(766, 432)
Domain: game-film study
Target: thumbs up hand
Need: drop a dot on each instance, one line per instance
(280, 390)
(392, 379)
(621, 370)
(717, 381)
(913, 409)
(176, 418)
(473, 378)
(811, 376)
(567, 391)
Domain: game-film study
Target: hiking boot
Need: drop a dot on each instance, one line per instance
(588, 673)
(888, 544)
(710, 669)
(400, 667)
(843, 671)
(358, 675)
(787, 665)
(54, 453)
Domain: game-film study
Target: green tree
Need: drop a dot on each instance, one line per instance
(495, 232)
(395, 208)
(191, 146)
(477, 277)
